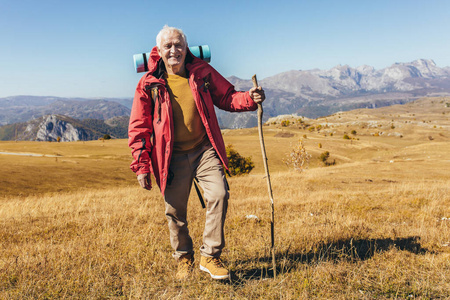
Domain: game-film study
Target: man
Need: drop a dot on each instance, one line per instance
(174, 134)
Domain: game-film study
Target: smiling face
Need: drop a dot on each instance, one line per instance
(173, 51)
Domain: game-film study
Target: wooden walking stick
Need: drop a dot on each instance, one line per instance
(266, 167)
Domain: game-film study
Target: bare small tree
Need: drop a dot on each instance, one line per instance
(298, 158)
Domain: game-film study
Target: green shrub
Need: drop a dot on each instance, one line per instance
(238, 164)
(106, 137)
(285, 123)
(324, 158)
(346, 137)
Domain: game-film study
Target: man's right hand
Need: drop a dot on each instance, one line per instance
(144, 181)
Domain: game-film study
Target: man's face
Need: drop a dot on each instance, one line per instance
(173, 51)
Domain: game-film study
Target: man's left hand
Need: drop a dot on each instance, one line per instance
(257, 94)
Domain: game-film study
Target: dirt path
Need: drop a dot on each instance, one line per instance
(28, 154)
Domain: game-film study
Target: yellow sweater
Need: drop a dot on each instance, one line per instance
(189, 131)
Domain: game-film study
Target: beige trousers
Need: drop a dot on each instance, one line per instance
(204, 164)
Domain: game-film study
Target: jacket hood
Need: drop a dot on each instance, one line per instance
(153, 60)
(156, 64)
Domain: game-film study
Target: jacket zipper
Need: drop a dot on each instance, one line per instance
(159, 106)
(204, 104)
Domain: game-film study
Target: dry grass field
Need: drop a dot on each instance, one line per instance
(376, 225)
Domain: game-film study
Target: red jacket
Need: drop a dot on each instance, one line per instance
(150, 132)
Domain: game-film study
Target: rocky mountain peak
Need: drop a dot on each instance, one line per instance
(53, 127)
(423, 63)
(423, 68)
(365, 69)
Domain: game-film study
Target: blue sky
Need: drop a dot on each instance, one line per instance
(84, 48)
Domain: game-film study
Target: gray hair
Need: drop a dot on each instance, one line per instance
(166, 29)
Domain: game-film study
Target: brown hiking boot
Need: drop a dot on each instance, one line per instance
(185, 267)
(214, 266)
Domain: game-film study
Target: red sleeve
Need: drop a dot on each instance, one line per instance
(140, 130)
(226, 97)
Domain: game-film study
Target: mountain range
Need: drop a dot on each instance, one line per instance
(315, 93)
(310, 93)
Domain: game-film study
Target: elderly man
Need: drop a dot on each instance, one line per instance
(174, 134)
